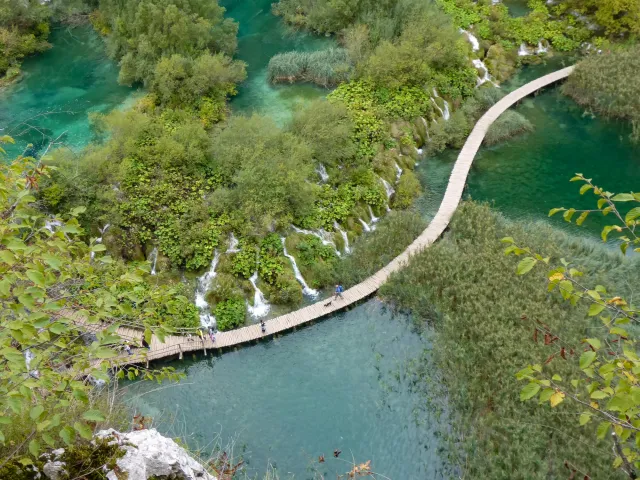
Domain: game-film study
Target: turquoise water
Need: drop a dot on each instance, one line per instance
(528, 175)
(261, 36)
(338, 384)
(60, 88)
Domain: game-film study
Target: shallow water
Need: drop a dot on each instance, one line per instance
(261, 36)
(60, 88)
(337, 384)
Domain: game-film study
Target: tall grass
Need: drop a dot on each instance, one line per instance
(608, 84)
(466, 289)
(325, 67)
(509, 124)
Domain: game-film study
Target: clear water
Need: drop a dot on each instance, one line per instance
(338, 384)
(261, 36)
(528, 175)
(60, 88)
(517, 8)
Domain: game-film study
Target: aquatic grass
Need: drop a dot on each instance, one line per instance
(465, 288)
(325, 67)
(508, 125)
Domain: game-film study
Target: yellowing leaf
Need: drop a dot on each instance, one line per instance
(556, 399)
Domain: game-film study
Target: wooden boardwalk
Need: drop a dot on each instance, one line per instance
(179, 345)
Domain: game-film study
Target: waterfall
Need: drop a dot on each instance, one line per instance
(260, 306)
(308, 291)
(233, 244)
(426, 129)
(389, 189)
(447, 114)
(398, 172)
(374, 219)
(153, 258)
(99, 239)
(322, 171)
(438, 107)
(475, 44)
(365, 225)
(204, 284)
(479, 64)
(323, 235)
(541, 48)
(524, 51)
(345, 237)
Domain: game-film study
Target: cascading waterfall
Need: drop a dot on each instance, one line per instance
(447, 114)
(233, 244)
(207, 319)
(374, 219)
(345, 237)
(99, 239)
(475, 44)
(322, 171)
(365, 225)
(260, 306)
(308, 291)
(398, 172)
(524, 51)
(390, 191)
(153, 258)
(479, 64)
(323, 235)
(541, 48)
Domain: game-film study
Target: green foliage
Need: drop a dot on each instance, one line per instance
(142, 32)
(463, 286)
(271, 259)
(52, 289)
(407, 190)
(608, 84)
(324, 67)
(244, 262)
(181, 81)
(230, 314)
(509, 124)
(315, 260)
(373, 251)
(24, 28)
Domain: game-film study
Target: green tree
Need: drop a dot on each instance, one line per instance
(62, 301)
(607, 390)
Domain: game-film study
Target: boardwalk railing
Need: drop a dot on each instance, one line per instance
(178, 345)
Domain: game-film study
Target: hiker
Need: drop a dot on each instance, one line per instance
(127, 348)
(212, 335)
(263, 326)
(339, 290)
(145, 344)
(201, 335)
(189, 337)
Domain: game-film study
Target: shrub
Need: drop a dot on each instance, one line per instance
(407, 190)
(509, 124)
(324, 67)
(230, 314)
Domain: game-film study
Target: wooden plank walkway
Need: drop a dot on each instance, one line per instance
(179, 345)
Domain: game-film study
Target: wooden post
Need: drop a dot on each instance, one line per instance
(180, 355)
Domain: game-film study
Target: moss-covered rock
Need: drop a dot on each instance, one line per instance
(407, 190)
(500, 62)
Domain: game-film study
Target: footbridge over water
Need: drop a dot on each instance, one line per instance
(179, 345)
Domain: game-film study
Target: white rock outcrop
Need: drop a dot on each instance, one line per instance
(148, 453)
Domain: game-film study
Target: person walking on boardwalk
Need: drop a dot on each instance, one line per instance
(263, 326)
(339, 290)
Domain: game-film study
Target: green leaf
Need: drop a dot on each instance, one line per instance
(599, 395)
(48, 439)
(545, 395)
(623, 197)
(585, 188)
(619, 331)
(569, 214)
(529, 391)
(93, 416)
(603, 428)
(585, 418)
(68, 435)
(36, 277)
(83, 429)
(605, 232)
(586, 359)
(553, 211)
(595, 309)
(104, 352)
(34, 448)
(5, 421)
(621, 402)
(98, 247)
(594, 342)
(7, 257)
(36, 412)
(525, 265)
(632, 215)
(507, 240)
(583, 216)
(78, 210)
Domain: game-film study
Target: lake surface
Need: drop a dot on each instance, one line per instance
(60, 88)
(261, 36)
(338, 384)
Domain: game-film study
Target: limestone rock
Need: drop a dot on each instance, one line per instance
(150, 454)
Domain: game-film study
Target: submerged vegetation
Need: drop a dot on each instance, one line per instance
(464, 287)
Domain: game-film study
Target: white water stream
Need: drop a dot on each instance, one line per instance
(260, 306)
(475, 44)
(306, 289)
(207, 319)
(345, 237)
(398, 172)
(374, 219)
(322, 171)
(365, 225)
(153, 259)
(99, 239)
(323, 235)
(233, 244)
